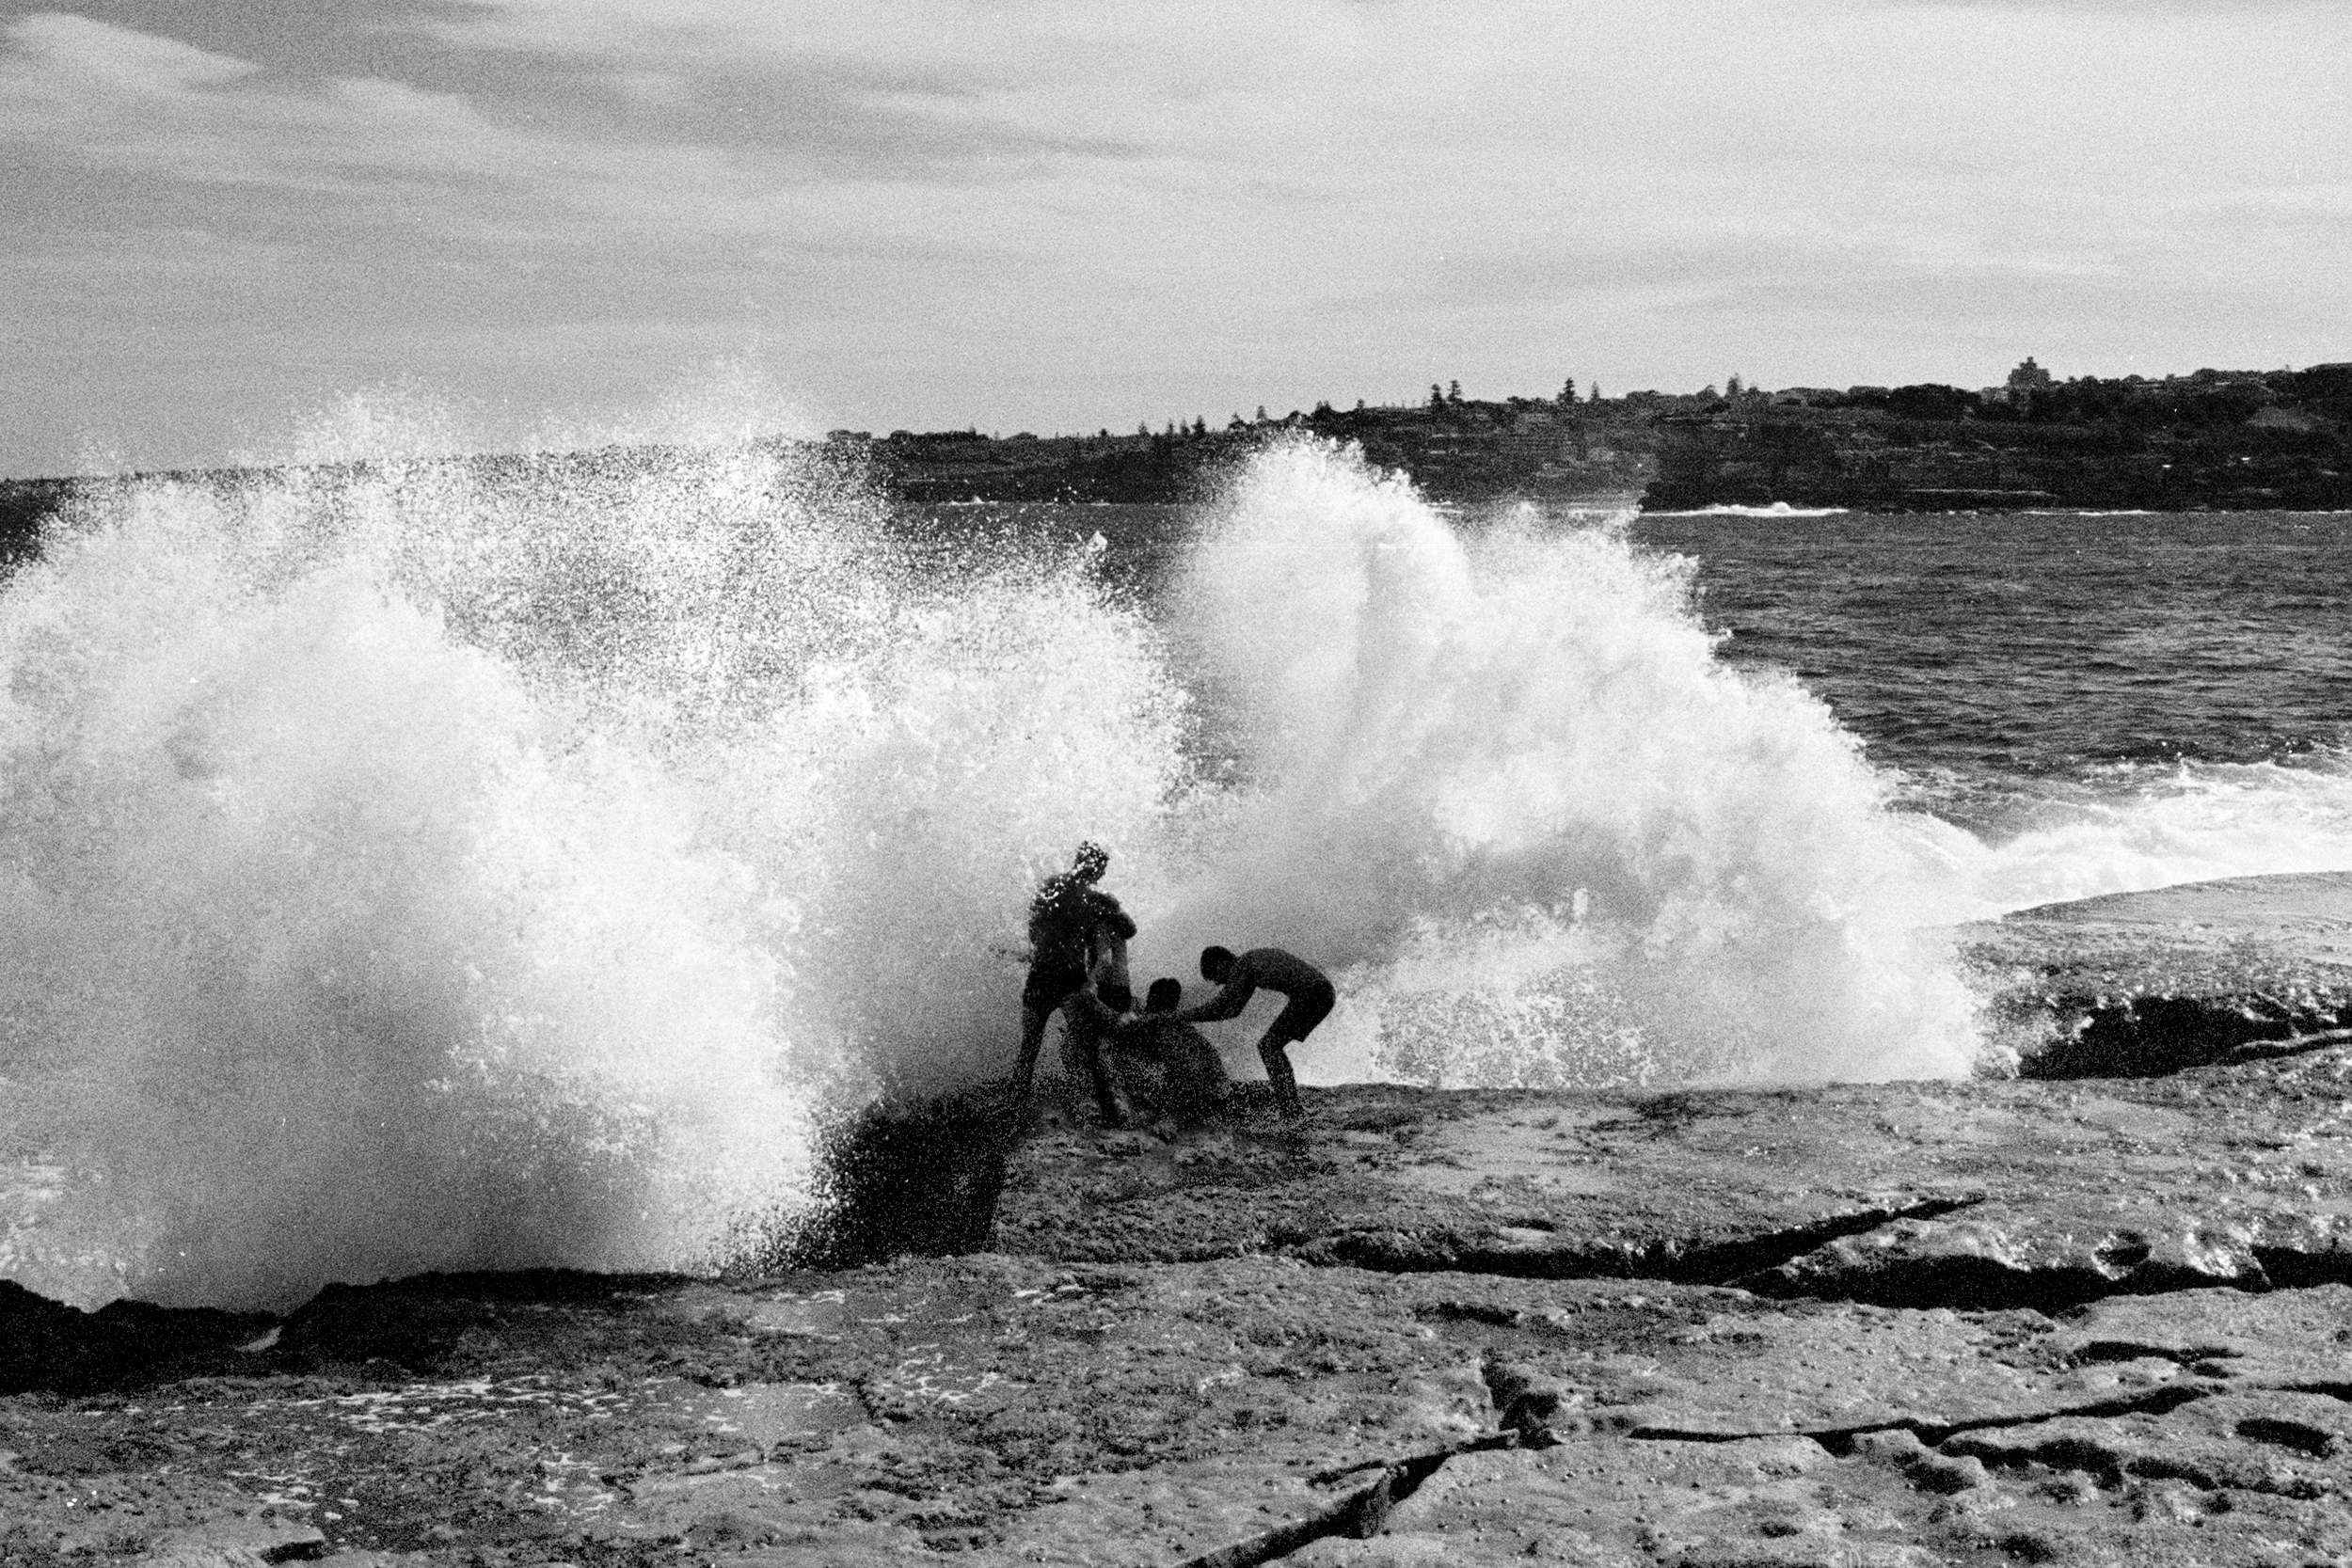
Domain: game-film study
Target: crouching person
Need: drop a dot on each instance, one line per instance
(1185, 1077)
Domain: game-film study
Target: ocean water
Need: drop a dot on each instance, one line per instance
(2103, 702)
(414, 867)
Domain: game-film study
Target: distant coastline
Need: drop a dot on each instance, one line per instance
(2210, 440)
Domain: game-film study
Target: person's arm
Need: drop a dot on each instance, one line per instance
(1226, 1003)
(1084, 1000)
(1109, 912)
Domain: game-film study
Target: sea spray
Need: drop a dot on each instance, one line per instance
(430, 864)
(434, 864)
(2132, 827)
(1499, 778)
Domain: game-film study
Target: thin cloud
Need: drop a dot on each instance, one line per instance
(941, 210)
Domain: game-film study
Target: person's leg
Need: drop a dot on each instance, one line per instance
(1109, 966)
(1093, 1052)
(1278, 1072)
(1034, 1012)
(1196, 1072)
(1295, 1022)
(1046, 992)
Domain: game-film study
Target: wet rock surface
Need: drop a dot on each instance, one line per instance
(2135, 984)
(2099, 1321)
(2096, 1320)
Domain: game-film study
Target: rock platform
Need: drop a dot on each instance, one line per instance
(2100, 1321)
(2092, 1321)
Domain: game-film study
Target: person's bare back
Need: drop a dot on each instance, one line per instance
(1309, 1000)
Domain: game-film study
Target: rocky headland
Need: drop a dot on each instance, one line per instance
(2103, 1315)
(2211, 440)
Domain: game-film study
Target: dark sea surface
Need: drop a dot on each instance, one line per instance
(2036, 645)
(1998, 665)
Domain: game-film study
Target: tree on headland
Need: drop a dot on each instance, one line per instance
(1453, 394)
(1437, 396)
(1931, 400)
(1567, 391)
(1261, 413)
(1732, 388)
(2029, 384)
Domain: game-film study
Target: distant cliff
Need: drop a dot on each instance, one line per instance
(2212, 440)
(2221, 440)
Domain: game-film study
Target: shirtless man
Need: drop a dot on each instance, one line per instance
(1306, 989)
(1076, 932)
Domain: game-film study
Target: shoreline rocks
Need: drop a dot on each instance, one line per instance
(2144, 983)
(1896, 1323)
(2081, 1320)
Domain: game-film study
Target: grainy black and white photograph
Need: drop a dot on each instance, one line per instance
(1354, 784)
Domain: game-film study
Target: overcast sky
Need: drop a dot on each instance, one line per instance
(218, 219)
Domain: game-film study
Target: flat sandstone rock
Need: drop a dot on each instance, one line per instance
(2101, 1320)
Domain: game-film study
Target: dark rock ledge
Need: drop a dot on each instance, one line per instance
(2136, 984)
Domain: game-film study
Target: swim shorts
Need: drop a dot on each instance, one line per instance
(1049, 987)
(1308, 1009)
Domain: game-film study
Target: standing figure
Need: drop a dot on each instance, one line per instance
(1076, 929)
(1306, 988)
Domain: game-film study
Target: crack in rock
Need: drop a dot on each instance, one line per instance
(1357, 1515)
(1529, 1407)
(1974, 1282)
(1363, 1511)
(1841, 1441)
(1673, 1261)
(2105, 1351)
(2156, 1036)
(1771, 1265)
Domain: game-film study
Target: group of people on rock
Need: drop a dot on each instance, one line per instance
(1078, 938)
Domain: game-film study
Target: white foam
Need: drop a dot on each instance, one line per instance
(2143, 827)
(439, 867)
(1506, 769)
(1772, 509)
(409, 870)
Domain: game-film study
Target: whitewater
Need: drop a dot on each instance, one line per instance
(427, 865)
